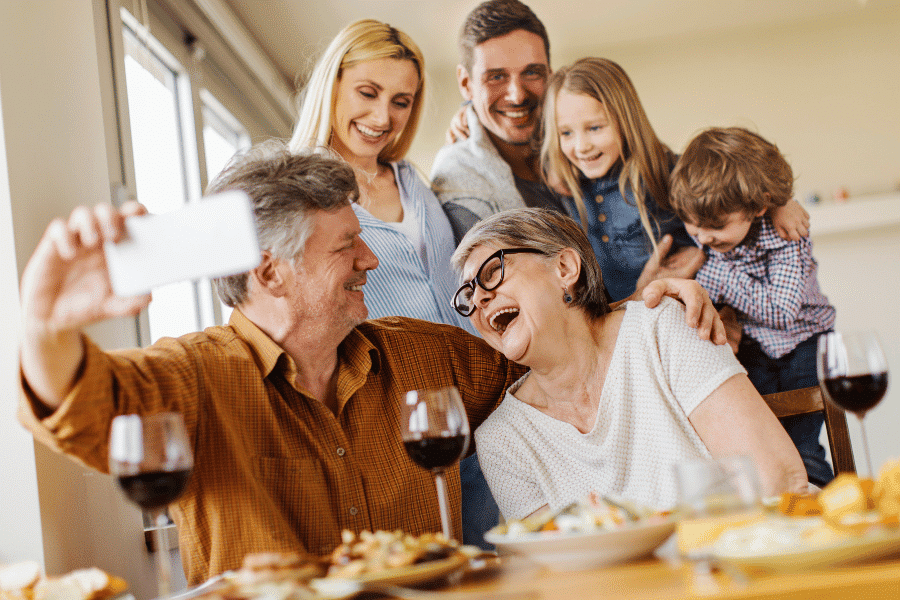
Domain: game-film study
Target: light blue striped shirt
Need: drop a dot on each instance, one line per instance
(404, 285)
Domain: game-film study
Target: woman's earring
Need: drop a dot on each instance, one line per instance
(567, 297)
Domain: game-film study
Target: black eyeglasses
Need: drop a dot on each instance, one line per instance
(488, 277)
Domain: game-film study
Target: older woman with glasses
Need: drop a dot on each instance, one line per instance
(613, 398)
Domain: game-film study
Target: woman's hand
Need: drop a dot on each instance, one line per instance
(699, 310)
(791, 221)
(733, 329)
(682, 263)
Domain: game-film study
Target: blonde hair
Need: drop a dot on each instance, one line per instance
(358, 42)
(646, 161)
(729, 170)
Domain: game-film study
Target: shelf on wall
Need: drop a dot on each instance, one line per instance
(857, 213)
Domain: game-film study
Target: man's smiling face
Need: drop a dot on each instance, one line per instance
(506, 85)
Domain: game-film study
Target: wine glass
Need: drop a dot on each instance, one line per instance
(436, 434)
(151, 457)
(853, 375)
(714, 494)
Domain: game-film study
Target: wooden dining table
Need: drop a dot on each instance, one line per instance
(655, 579)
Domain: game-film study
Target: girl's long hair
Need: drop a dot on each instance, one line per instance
(358, 42)
(646, 161)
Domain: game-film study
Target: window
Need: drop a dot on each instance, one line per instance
(181, 107)
(159, 168)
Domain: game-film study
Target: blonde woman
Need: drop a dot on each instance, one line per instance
(363, 102)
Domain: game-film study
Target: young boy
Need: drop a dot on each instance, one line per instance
(721, 188)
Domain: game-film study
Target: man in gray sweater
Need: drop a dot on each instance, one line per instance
(503, 72)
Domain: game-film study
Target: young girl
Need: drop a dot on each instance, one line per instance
(599, 145)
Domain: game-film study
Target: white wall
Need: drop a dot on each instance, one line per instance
(859, 271)
(827, 92)
(20, 520)
(55, 147)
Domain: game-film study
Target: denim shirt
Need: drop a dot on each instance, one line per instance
(617, 234)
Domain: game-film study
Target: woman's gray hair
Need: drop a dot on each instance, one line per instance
(548, 231)
(286, 189)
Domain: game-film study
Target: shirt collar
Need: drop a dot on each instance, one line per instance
(265, 351)
(766, 236)
(356, 350)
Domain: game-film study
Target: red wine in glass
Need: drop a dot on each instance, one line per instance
(856, 393)
(436, 452)
(435, 433)
(155, 489)
(151, 458)
(853, 375)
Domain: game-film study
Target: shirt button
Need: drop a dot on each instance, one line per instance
(340, 451)
(353, 510)
(605, 238)
(602, 218)
(599, 198)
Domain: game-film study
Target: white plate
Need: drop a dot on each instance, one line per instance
(338, 588)
(577, 551)
(870, 546)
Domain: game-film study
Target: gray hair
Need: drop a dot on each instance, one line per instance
(286, 189)
(548, 231)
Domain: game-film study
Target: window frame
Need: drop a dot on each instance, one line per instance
(208, 72)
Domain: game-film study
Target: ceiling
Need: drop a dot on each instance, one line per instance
(294, 32)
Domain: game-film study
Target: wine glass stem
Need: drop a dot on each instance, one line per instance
(163, 558)
(865, 440)
(443, 504)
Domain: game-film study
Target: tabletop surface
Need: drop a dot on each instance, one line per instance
(658, 580)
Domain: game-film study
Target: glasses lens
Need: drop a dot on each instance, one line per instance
(491, 273)
(462, 302)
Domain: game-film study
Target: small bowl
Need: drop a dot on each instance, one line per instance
(578, 551)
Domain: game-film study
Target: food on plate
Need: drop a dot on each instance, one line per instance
(264, 567)
(844, 495)
(17, 580)
(856, 504)
(848, 508)
(772, 536)
(25, 581)
(886, 493)
(291, 575)
(81, 584)
(799, 505)
(850, 502)
(591, 514)
(375, 552)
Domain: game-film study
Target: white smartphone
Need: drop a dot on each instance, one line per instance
(214, 237)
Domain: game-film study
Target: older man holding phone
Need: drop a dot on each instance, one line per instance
(293, 407)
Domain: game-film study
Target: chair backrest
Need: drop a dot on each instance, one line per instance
(807, 400)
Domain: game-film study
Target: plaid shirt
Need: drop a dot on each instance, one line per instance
(275, 470)
(771, 283)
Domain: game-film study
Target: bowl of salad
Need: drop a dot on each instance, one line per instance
(590, 533)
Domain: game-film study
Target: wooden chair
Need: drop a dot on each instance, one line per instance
(807, 400)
